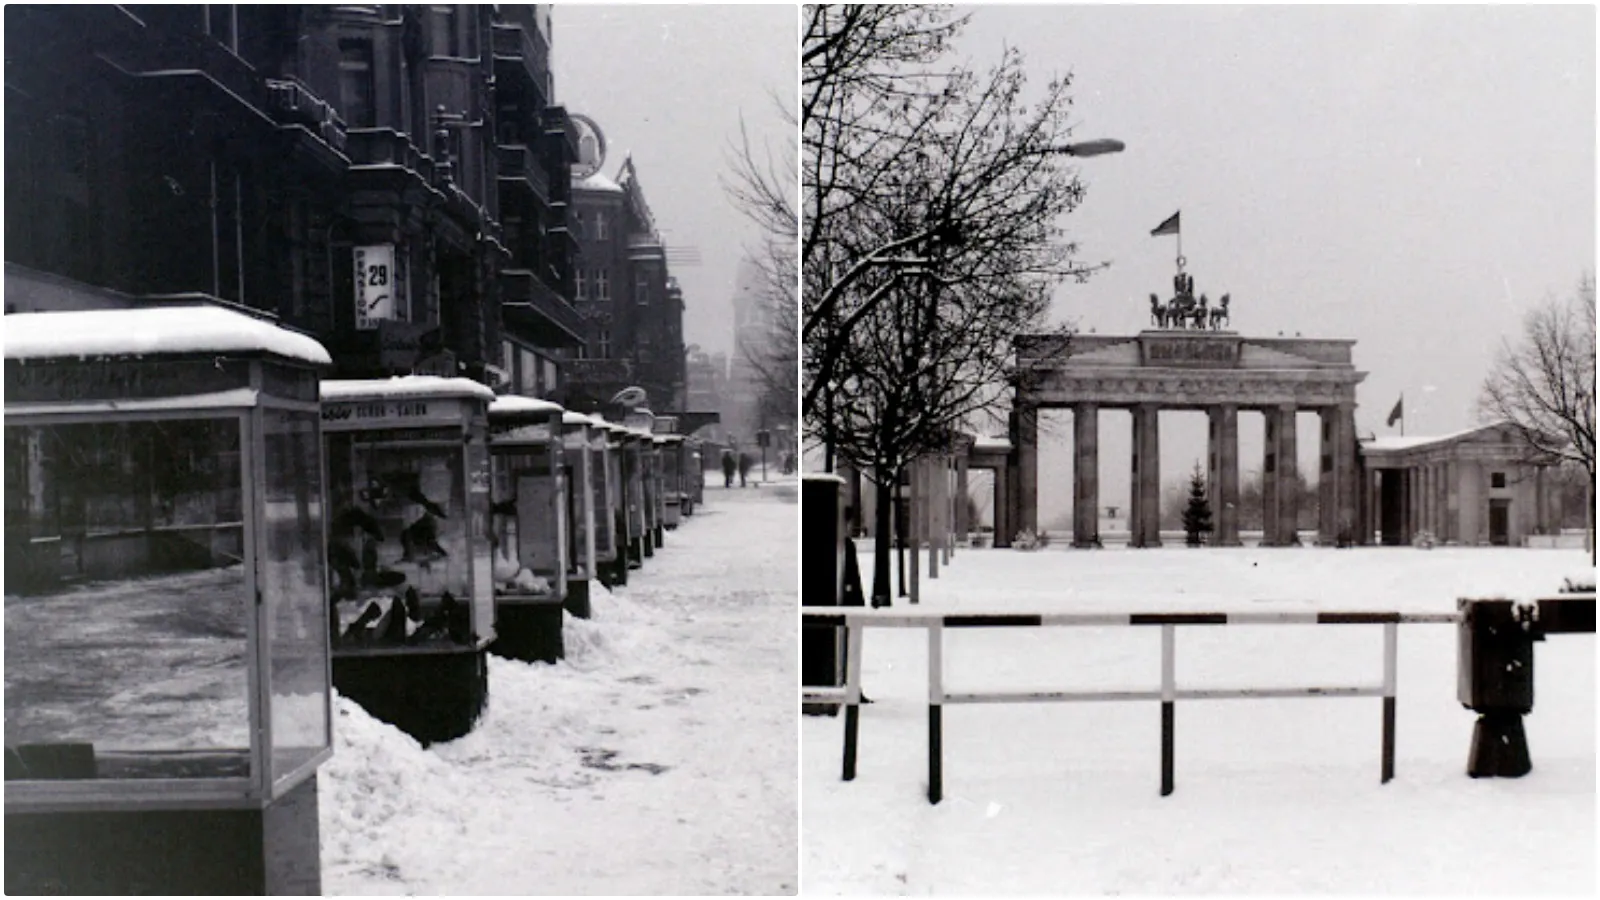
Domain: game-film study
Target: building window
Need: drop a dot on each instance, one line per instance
(508, 357)
(222, 23)
(355, 84)
(602, 230)
(1497, 480)
(446, 36)
(602, 286)
(641, 288)
(604, 351)
(551, 375)
(582, 285)
(577, 225)
(527, 374)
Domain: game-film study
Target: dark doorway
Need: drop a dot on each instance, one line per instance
(1499, 522)
(1391, 506)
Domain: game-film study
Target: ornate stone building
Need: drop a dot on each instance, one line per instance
(389, 178)
(631, 306)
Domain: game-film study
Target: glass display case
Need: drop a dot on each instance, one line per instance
(581, 476)
(671, 479)
(531, 526)
(164, 636)
(410, 608)
(694, 475)
(656, 506)
(408, 493)
(633, 473)
(603, 468)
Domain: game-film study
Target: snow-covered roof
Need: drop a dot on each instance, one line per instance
(189, 328)
(575, 418)
(598, 182)
(1396, 442)
(403, 387)
(987, 441)
(510, 404)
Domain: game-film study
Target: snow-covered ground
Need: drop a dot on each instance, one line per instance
(659, 758)
(1277, 795)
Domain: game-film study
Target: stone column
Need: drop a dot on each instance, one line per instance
(1288, 501)
(1327, 478)
(1347, 471)
(1002, 507)
(1147, 482)
(1223, 485)
(1269, 476)
(963, 524)
(1026, 443)
(1412, 479)
(1086, 475)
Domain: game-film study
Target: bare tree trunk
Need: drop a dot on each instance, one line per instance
(882, 549)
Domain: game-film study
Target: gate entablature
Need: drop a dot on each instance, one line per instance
(1186, 370)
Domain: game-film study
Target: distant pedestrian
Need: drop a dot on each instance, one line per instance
(729, 464)
(744, 468)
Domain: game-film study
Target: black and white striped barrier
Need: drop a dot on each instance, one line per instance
(855, 622)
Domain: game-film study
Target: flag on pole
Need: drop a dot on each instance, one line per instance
(1398, 412)
(1170, 226)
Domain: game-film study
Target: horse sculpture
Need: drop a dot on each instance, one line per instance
(1158, 313)
(1219, 316)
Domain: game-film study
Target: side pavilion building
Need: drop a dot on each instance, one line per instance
(1481, 486)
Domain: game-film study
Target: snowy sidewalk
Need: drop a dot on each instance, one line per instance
(659, 758)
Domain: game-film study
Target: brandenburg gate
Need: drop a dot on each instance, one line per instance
(1219, 372)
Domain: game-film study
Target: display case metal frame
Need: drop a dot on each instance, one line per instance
(581, 462)
(246, 403)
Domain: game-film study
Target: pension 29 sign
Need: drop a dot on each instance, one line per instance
(380, 285)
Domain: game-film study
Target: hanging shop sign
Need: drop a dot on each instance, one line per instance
(380, 286)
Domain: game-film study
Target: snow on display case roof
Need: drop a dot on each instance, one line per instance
(174, 330)
(575, 418)
(990, 441)
(403, 387)
(516, 404)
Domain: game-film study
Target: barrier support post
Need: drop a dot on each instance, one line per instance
(1168, 696)
(935, 710)
(1391, 641)
(852, 694)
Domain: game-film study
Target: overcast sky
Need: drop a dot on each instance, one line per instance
(1411, 177)
(669, 84)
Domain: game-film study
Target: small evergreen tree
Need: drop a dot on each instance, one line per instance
(1197, 515)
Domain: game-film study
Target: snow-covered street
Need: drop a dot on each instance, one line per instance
(658, 758)
(1272, 795)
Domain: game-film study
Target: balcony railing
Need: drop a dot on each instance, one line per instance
(520, 167)
(527, 54)
(292, 103)
(527, 301)
(387, 147)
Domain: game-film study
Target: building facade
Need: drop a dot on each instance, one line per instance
(631, 306)
(1482, 486)
(391, 179)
